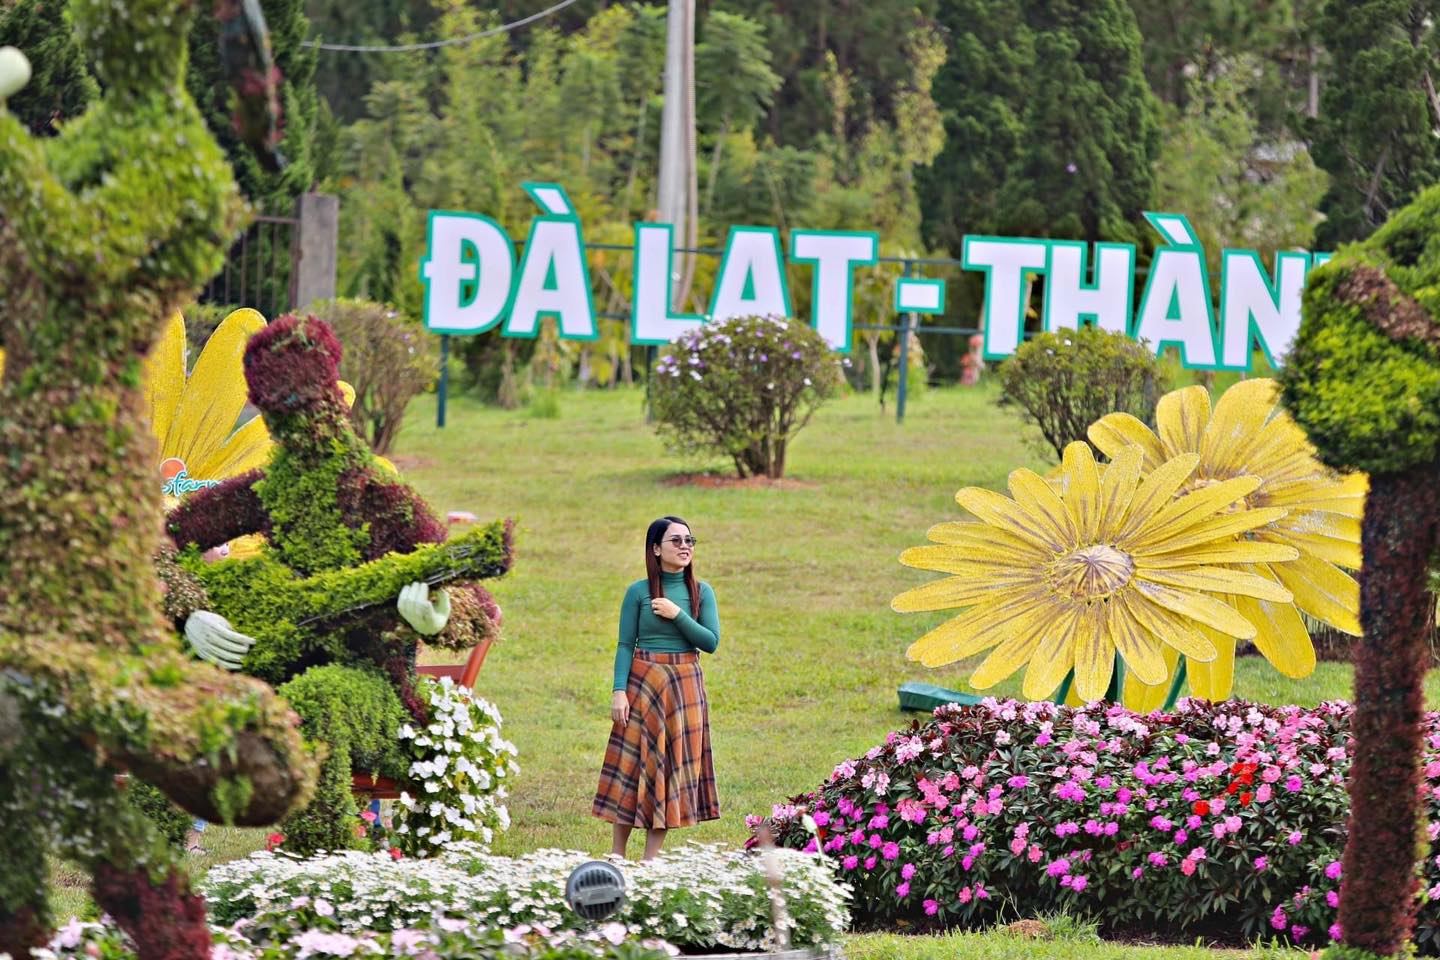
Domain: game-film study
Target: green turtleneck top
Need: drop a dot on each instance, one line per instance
(639, 627)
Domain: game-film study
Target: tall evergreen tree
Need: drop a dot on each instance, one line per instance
(1090, 126)
(1379, 110)
(205, 78)
(980, 89)
(61, 86)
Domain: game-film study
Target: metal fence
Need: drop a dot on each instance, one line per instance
(260, 269)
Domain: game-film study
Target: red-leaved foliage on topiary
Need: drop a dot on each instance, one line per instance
(189, 523)
(293, 365)
(166, 921)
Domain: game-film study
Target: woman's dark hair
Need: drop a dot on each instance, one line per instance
(653, 536)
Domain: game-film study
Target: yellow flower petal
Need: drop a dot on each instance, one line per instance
(1136, 646)
(1215, 679)
(947, 593)
(1181, 417)
(1327, 536)
(1170, 629)
(1206, 611)
(1324, 591)
(1223, 551)
(979, 628)
(1183, 512)
(1094, 656)
(1156, 490)
(1083, 494)
(1008, 657)
(1006, 514)
(216, 391)
(1149, 697)
(1282, 638)
(1220, 580)
(1113, 433)
(1117, 487)
(1037, 497)
(1240, 415)
(948, 558)
(1053, 658)
(1225, 525)
(248, 448)
(164, 380)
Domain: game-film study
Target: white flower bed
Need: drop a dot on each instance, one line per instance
(447, 939)
(460, 765)
(697, 896)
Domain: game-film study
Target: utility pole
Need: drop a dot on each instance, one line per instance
(679, 196)
(679, 193)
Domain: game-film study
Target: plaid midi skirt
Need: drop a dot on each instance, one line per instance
(658, 773)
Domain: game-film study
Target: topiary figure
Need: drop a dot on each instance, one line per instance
(106, 229)
(1363, 379)
(343, 581)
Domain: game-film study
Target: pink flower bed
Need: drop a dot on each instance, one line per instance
(1215, 817)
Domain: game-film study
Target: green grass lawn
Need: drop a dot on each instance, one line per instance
(810, 653)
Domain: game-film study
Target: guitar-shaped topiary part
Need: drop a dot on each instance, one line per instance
(104, 230)
(1363, 379)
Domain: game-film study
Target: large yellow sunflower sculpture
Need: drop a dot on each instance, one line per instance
(1246, 435)
(1114, 564)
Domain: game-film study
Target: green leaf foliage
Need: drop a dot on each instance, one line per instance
(1368, 398)
(61, 86)
(1375, 133)
(1064, 381)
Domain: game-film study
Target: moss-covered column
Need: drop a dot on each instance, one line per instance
(1377, 896)
(103, 230)
(1363, 380)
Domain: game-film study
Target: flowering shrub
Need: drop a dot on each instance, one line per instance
(742, 388)
(459, 767)
(388, 359)
(1064, 381)
(1230, 814)
(699, 896)
(445, 939)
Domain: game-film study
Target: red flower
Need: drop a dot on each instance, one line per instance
(274, 840)
(1232, 788)
(1245, 798)
(1201, 808)
(395, 853)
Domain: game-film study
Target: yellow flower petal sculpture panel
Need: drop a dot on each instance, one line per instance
(193, 417)
(1114, 564)
(1247, 436)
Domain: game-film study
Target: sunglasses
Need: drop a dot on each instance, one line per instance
(678, 542)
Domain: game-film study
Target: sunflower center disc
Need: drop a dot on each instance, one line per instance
(1091, 573)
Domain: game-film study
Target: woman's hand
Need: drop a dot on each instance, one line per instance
(664, 608)
(620, 707)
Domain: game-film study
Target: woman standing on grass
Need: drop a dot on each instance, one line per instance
(658, 774)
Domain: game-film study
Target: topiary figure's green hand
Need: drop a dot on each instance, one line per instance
(14, 73)
(215, 641)
(426, 617)
(1363, 379)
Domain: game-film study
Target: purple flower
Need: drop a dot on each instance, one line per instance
(1261, 863)
(1332, 870)
(907, 871)
(932, 907)
(869, 863)
(850, 863)
(890, 851)
(902, 891)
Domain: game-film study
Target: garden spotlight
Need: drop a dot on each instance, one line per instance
(595, 890)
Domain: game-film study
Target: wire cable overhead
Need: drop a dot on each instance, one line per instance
(434, 44)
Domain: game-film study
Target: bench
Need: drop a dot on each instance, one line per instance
(367, 786)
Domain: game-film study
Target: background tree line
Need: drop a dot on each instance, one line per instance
(1271, 124)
